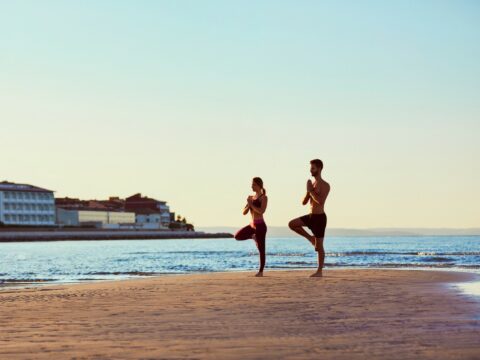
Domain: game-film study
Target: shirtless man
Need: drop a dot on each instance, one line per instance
(316, 221)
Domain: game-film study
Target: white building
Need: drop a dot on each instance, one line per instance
(26, 205)
(150, 220)
(104, 219)
(165, 217)
(149, 211)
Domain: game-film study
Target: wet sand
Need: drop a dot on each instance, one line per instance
(348, 314)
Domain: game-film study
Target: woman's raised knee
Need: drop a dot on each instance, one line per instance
(291, 224)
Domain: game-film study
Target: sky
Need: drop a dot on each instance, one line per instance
(186, 101)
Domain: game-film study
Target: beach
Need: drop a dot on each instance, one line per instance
(348, 314)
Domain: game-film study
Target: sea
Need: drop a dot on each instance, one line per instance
(36, 263)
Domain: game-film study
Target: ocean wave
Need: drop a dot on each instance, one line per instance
(378, 265)
(293, 254)
(23, 281)
(306, 266)
(405, 265)
(301, 263)
(287, 254)
(130, 273)
(183, 252)
(438, 259)
(411, 253)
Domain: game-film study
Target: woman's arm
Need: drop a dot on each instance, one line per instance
(246, 209)
(263, 207)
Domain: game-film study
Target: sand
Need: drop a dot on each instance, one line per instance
(348, 314)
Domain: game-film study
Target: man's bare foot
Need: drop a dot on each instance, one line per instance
(259, 274)
(318, 273)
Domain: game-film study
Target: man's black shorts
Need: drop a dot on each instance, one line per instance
(317, 223)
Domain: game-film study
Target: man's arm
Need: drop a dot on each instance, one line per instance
(306, 199)
(315, 196)
(320, 195)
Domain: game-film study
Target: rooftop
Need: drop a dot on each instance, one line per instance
(112, 204)
(10, 186)
(139, 197)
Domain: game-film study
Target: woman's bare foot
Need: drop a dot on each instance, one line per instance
(313, 240)
(318, 273)
(259, 274)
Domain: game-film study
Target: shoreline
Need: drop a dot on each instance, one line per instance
(91, 235)
(348, 314)
(465, 285)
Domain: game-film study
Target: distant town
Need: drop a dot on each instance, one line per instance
(27, 206)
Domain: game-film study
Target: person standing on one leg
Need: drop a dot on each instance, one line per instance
(257, 230)
(316, 221)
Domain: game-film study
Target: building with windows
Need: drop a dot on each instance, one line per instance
(149, 219)
(114, 203)
(26, 205)
(92, 217)
(149, 210)
(137, 210)
(97, 213)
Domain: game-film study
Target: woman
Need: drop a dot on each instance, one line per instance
(257, 230)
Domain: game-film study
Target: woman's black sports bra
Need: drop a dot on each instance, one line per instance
(257, 202)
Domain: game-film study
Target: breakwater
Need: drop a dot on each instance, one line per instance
(62, 235)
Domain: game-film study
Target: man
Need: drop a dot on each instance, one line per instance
(316, 221)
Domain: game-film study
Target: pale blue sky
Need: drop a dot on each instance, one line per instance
(188, 100)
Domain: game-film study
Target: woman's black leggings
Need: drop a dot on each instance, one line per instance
(260, 231)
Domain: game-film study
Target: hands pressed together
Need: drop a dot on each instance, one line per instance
(309, 186)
